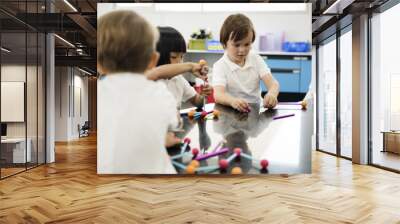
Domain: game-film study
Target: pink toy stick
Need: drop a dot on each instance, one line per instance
(282, 116)
(217, 146)
(211, 154)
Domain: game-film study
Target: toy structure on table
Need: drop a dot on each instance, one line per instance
(193, 114)
(193, 165)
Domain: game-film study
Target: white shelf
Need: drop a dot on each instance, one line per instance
(260, 52)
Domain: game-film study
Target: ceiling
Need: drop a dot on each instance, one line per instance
(76, 22)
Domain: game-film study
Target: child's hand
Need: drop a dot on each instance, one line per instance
(200, 71)
(206, 90)
(270, 101)
(171, 140)
(240, 105)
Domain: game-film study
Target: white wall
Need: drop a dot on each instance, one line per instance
(69, 82)
(33, 126)
(12, 73)
(296, 25)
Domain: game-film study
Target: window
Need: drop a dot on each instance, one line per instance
(385, 89)
(346, 93)
(327, 96)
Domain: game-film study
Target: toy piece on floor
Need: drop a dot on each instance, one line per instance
(303, 104)
(282, 116)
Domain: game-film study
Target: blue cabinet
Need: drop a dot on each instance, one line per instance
(292, 72)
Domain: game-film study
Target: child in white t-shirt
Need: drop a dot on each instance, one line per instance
(134, 113)
(237, 75)
(172, 47)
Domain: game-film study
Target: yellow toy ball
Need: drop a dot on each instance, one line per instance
(303, 105)
(194, 163)
(236, 170)
(190, 169)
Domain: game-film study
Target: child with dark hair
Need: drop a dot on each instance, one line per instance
(238, 73)
(172, 47)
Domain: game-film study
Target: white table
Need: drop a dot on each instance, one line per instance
(18, 144)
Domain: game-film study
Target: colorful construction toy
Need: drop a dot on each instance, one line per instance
(193, 114)
(194, 166)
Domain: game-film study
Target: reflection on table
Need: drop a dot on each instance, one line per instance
(285, 143)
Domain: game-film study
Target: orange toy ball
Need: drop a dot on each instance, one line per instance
(202, 62)
(216, 113)
(236, 170)
(190, 169)
(191, 113)
(194, 163)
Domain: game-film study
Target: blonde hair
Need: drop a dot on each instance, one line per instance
(125, 42)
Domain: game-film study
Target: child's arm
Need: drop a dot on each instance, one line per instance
(224, 98)
(170, 70)
(271, 98)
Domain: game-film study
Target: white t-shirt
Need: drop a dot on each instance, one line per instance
(242, 82)
(180, 88)
(133, 117)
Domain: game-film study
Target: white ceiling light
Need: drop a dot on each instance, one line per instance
(70, 5)
(179, 7)
(134, 5)
(255, 7)
(5, 50)
(65, 41)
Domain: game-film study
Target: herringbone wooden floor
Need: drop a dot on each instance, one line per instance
(69, 191)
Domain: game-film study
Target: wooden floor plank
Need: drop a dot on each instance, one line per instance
(70, 191)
